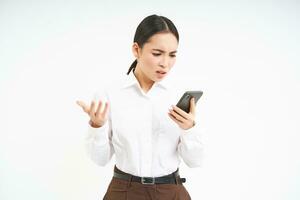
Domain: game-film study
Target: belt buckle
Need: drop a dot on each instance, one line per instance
(148, 180)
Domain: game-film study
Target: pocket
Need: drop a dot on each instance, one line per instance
(117, 190)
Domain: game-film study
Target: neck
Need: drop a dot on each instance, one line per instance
(144, 81)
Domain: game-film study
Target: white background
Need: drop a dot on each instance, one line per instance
(244, 55)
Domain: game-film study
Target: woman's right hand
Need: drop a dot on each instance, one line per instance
(97, 115)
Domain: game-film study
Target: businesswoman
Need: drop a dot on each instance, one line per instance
(136, 120)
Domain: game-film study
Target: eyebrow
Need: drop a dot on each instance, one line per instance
(163, 51)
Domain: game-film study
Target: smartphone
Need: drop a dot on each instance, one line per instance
(184, 102)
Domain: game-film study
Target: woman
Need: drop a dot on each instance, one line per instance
(134, 121)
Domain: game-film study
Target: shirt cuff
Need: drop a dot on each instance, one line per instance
(98, 134)
(192, 134)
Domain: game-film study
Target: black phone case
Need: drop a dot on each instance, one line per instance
(184, 102)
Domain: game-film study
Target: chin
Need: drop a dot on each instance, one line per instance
(158, 79)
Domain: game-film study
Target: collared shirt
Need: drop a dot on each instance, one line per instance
(144, 139)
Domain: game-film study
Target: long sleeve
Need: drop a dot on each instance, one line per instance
(190, 147)
(98, 142)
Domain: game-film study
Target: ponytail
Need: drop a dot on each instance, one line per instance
(132, 67)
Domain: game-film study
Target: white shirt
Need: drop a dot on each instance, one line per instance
(145, 140)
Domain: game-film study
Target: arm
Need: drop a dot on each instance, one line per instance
(98, 140)
(190, 147)
(98, 143)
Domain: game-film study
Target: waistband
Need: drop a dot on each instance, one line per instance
(173, 178)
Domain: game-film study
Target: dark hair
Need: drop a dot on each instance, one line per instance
(148, 27)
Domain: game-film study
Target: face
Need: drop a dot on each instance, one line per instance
(157, 56)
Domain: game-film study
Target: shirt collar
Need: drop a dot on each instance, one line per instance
(131, 80)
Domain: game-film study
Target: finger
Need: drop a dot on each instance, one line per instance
(176, 116)
(174, 119)
(192, 106)
(83, 106)
(180, 112)
(92, 109)
(81, 103)
(99, 107)
(105, 108)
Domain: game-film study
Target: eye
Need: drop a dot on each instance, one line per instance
(156, 54)
(173, 55)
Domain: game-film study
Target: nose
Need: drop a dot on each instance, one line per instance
(164, 62)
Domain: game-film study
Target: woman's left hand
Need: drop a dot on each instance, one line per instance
(183, 119)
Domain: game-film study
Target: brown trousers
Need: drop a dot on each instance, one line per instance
(120, 189)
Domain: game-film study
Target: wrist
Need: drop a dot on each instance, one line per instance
(92, 124)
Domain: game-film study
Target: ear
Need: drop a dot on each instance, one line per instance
(136, 50)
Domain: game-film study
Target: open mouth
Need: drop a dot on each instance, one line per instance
(161, 72)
